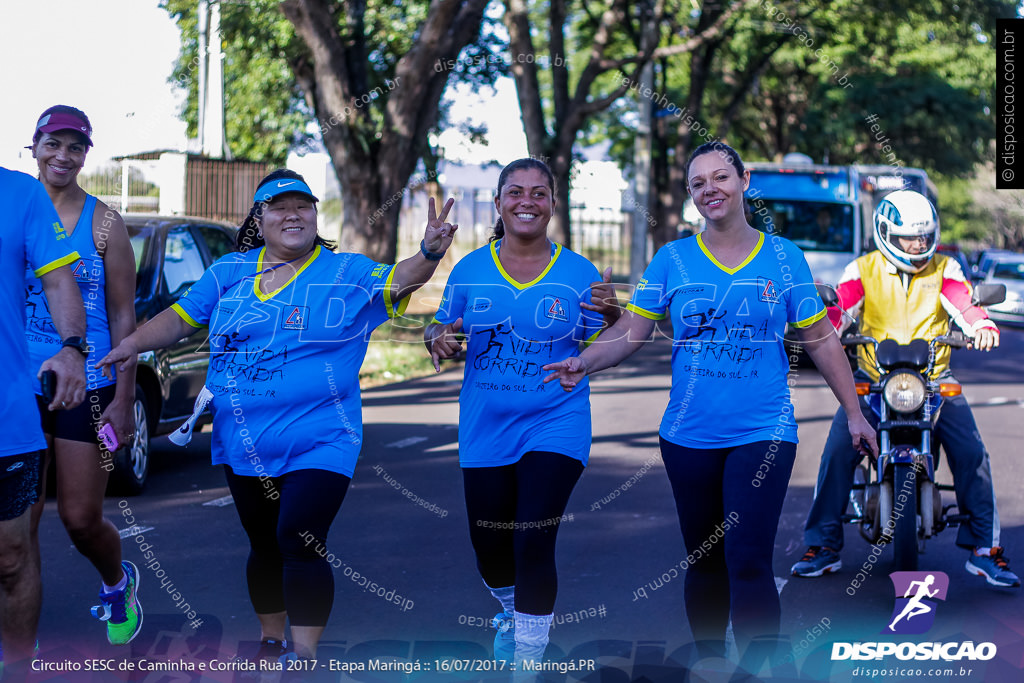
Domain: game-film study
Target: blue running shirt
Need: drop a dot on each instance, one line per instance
(90, 274)
(512, 330)
(30, 233)
(284, 367)
(729, 363)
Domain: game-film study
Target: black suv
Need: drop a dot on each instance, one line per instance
(171, 253)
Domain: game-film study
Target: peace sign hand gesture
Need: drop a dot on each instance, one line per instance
(439, 235)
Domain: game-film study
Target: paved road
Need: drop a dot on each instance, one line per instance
(403, 526)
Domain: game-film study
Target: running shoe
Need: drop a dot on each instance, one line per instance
(121, 609)
(35, 656)
(994, 568)
(505, 638)
(816, 561)
(272, 651)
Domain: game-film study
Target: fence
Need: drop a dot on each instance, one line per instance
(139, 194)
(600, 235)
(222, 190)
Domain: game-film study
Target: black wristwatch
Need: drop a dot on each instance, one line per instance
(78, 344)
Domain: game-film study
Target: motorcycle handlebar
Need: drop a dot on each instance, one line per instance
(957, 341)
(857, 340)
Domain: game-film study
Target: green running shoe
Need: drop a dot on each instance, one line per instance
(121, 609)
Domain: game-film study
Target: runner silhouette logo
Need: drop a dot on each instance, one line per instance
(555, 308)
(917, 596)
(297, 318)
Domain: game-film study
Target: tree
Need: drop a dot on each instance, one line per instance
(265, 110)
(804, 76)
(607, 43)
(720, 76)
(371, 73)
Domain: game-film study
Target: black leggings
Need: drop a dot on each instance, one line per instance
(287, 519)
(729, 501)
(514, 512)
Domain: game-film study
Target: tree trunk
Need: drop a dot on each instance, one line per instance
(369, 226)
(571, 110)
(686, 142)
(373, 162)
(560, 228)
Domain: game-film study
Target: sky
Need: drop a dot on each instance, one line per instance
(113, 58)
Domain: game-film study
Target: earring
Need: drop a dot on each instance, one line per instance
(259, 234)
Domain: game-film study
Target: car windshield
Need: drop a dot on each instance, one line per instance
(1009, 271)
(812, 226)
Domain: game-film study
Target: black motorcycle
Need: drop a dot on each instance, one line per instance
(896, 499)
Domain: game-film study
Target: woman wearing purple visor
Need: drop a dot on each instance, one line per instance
(289, 321)
(105, 273)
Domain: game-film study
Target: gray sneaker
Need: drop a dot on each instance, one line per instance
(816, 561)
(994, 568)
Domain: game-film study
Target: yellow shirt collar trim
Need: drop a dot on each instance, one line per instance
(515, 283)
(731, 271)
(259, 266)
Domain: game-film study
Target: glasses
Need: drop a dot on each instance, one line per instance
(923, 239)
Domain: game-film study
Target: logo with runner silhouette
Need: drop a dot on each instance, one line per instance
(81, 272)
(554, 308)
(766, 290)
(917, 595)
(296, 318)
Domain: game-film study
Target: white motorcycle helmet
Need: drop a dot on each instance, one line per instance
(906, 214)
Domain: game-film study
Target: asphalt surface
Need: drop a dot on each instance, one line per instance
(403, 526)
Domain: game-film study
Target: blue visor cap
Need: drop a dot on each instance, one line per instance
(267, 191)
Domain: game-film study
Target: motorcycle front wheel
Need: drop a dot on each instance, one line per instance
(904, 542)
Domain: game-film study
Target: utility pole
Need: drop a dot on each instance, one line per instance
(202, 20)
(212, 100)
(642, 179)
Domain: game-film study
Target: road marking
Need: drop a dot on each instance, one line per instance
(999, 401)
(219, 502)
(405, 443)
(134, 531)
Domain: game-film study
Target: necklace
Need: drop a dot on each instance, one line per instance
(285, 263)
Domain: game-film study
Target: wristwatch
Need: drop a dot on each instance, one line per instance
(78, 344)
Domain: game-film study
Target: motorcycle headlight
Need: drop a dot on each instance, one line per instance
(904, 391)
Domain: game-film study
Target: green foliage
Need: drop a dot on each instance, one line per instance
(963, 221)
(396, 352)
(267, 113)
(924, 69)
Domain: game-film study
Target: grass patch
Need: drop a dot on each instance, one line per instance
(396, 352)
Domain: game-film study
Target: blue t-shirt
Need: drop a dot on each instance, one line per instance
(512, 330)
(284, 367)
(729, 363)
(30, 233)
(90, 274)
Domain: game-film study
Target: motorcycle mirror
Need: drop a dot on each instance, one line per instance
(828, 294)
(988, 294)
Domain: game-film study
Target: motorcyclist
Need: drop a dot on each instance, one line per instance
(904, 291)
